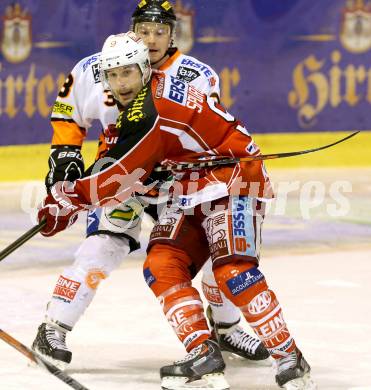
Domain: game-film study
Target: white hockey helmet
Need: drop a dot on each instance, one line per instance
(122, 50)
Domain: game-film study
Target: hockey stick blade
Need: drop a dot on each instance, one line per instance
(68, 380)
(227, 161)
(21, 240)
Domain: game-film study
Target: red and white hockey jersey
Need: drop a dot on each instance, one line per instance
(83, 100)
(172, 120)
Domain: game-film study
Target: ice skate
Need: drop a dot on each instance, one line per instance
(201, 369)
(293, 372)
(232, 338)
(50, 343)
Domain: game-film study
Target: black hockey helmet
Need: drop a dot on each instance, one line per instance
(157, 11)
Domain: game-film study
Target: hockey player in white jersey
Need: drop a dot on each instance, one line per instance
(113, 232)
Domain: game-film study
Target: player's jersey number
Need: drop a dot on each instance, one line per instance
(221, 111)
(66, 87)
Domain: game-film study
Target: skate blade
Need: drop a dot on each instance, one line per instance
(304, 383)
(207, 382)
(57, 363)
(234, 358)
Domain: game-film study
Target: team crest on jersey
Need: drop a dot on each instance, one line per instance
(187, 74)
(16, 42)
(355, 33)
(184, 28)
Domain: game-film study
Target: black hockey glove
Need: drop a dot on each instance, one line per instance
(65, 163)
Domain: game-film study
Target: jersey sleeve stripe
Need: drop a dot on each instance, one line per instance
(67, 133)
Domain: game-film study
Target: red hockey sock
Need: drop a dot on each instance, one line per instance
(245, 286)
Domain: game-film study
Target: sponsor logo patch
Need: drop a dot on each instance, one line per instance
(217, 236)
(243, 236)
(276, 327)
(66, 288)
(195, 99)
(260, 303)
(63, 108)
(212, 294)
(187, 74)
(201, 67)
(96, 73)
(177, 90)
(184, 202)
(94, 277)
(160, 88)
(161, 231)
(89, 61)
(166, 228)
(243, 281)
(148, 276)
(135, 111)
(212, 81)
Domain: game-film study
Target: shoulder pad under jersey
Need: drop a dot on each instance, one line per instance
(89, 68)
(199, 74)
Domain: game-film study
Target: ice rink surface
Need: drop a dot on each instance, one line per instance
(319, 268)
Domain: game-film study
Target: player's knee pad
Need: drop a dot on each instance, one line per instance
(240, 281)
(98, 256)
(165, 267)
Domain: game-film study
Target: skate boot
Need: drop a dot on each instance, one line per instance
(50, 343)
(201, 369)
(232, 338)
(293, 372)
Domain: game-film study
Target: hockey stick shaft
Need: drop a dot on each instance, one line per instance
(41, 362)
(226, 161)
(21, 240)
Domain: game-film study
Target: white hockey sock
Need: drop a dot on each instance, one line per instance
(76, 287)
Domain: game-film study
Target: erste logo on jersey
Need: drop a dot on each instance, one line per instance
(182, 93)
(177, 90)
(185, 73)
(89, 61)
(95, 68)
(201, 67)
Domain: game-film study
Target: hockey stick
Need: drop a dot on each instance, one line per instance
(41, 362)
(21, 240)
(226, 161)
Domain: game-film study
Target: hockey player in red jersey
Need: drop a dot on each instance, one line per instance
(113, 232)
(215, 212)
